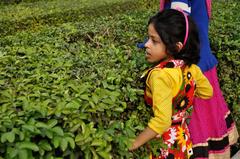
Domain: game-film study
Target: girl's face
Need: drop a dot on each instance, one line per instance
(155, 48)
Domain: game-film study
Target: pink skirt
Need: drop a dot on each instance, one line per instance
(211, 126)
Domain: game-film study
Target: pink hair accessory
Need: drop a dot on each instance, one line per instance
(187, 29)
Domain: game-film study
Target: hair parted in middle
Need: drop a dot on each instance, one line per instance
(171, 26)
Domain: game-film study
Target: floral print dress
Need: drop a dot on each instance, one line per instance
(177, 138)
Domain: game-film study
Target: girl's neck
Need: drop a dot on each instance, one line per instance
(170, 63)
(163, 60)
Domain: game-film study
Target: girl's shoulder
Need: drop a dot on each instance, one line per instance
(173, 75)
(170, 75)
(173, 72)
(194, 69)
(165, 72)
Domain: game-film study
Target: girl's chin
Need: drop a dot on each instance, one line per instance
(150, 60)
(147, 59)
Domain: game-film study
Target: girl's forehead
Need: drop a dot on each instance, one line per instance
(152, 31)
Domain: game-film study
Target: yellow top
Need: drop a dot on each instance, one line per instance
(164, 84)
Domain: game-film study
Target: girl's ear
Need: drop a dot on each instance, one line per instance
(179, 46)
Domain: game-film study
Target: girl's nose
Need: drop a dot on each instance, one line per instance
(146, 43)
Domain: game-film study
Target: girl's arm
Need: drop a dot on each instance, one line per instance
(204, 89)
(161, 91)
(143, 137)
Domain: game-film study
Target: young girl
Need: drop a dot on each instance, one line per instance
(173, 48)
(211, 140)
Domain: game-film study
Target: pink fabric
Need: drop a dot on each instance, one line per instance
(208, 117)
(209, 7)
(162, 3)
(208, 4)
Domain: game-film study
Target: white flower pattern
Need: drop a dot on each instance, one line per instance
(173, 136)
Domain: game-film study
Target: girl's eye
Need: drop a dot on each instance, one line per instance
(155, 41)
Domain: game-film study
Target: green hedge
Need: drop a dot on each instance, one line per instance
(225, 43)
(69, 76)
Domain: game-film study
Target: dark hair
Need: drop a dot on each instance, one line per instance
(170, 25)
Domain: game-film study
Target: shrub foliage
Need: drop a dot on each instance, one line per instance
(69, 75)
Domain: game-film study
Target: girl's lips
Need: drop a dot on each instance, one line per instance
(147, 54)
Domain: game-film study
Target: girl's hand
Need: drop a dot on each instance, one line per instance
(134, 146)
(142, 138)
(158, 136)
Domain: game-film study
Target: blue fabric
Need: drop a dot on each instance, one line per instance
(200, 16)
(142, 45)
(184, 1)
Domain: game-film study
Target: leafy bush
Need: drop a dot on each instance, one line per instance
(225, 43)
(69, 76)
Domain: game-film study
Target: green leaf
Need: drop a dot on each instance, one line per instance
(95, 156)
(2, 82)
(79, 138)
(73, 104)
(21, 136)
(52, 122)
(64, 144)
(75, 128)
(13, 152)
(58, 130)
(8, 136)
(49, 134)
(84, 97)
(29, 127)
(111, 87)
(23, 154)
(84, 127)
(104, 154)
(87, 154)
(28, 145)
(119, 109)
(98, 142)
(83, 88)
(45, 145)
(41, 152)
(108, 101)
(71, 142)
(129, 79)
(56, 141)
(42, 125)
(95, 98)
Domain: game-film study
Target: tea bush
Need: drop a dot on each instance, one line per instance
(225, 43)
(69, 75)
